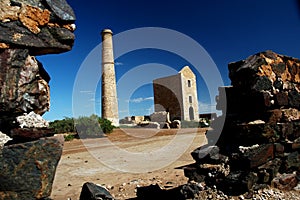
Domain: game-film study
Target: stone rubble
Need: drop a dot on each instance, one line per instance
(91, 191)
(259, 143)
(157, 120)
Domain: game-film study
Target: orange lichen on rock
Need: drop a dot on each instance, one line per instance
(70, 27)
(266, 70)
(3, 46)
(33, 17)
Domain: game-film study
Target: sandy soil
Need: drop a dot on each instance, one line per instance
(125, 159)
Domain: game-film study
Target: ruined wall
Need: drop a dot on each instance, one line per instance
(177, 94)
(168, 95)
(190, 97)
(259, 144)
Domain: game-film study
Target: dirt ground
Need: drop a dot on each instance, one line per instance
(126, 159)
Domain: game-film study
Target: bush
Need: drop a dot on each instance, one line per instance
(92, 126)
(106, 125)
(69, 137)
(63, 126)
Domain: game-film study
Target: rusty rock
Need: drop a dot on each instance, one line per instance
(28, 169)
(33, 17)
(285, 182)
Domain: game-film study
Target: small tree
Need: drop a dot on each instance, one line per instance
(106, 125)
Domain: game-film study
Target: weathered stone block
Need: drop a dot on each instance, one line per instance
(285, 182)
(91, 191)
(260, 71)
(45, 42)
(62, 10)
(238, 182)
(25, 134)
(272, 117)
(278, 150)
(290, 114)
(286, 129)
(279, 68)
(209, 155)
(43, 26)
(23, 83)
(28, 169)
(262, 83)
(294, 99)
(210, 173)
(194, 174)
(254, 133)
(282, 99)
(248, 105)
(253, 157)
(292, 162)
(271, 168)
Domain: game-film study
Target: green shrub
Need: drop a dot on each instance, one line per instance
(69, 137)
(65, 125)
(92, 126)
(106, 125)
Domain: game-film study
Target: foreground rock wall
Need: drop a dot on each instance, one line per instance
(28, 28)
(259, 144)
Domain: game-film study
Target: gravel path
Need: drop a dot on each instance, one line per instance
(99, 161)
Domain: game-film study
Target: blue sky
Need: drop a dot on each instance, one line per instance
(228, 30)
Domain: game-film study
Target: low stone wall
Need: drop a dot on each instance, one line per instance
(260, 142)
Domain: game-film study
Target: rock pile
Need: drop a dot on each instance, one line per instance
(29, 28)
(260, 141)
(163, 118)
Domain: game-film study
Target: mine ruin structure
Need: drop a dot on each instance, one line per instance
(109, 89)
(259, 144)
(177, 95)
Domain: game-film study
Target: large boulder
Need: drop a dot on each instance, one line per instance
(28, 28)
(28, 169)
(23, 85)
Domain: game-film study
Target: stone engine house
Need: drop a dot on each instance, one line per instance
(177, 95)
